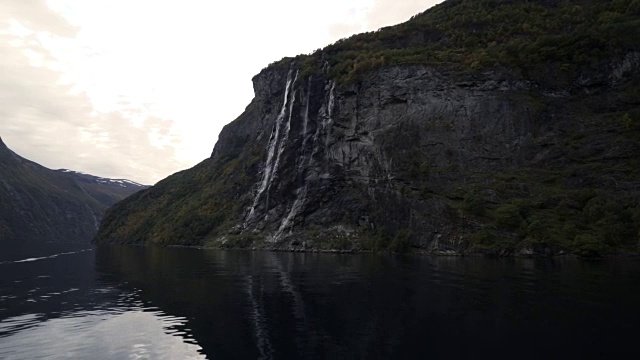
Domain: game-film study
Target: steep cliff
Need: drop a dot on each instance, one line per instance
(430, 136)
(43, 205)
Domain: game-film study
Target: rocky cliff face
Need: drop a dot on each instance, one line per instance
(42, 205)
(412, 156)
(395, 152)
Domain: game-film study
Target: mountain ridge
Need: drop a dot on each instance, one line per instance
(38, 204)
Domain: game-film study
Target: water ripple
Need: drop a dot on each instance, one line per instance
(32, 259)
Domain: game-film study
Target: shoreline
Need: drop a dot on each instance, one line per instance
(629, 255)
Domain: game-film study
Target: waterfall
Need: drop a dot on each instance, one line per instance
(278, 144)
(306, 116)
(328, 120)
(326, 67)
(285, 137)
(269, 166)
(332, 100)
(326, 114)
(305, 122)
(298, 203)
(301, 193)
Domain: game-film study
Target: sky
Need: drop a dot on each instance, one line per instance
(140, 89)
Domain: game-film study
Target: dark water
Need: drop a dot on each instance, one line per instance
(133, 302)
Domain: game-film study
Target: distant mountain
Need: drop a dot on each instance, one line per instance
(477, 127)
(40, 204)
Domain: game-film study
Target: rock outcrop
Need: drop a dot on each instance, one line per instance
(442, 159)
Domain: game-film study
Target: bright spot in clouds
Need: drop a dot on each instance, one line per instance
(140, 89)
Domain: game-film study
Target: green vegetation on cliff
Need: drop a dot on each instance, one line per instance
(180, 210)
(548, 39)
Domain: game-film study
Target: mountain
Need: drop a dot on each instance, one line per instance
(486, 127)
(39, 204)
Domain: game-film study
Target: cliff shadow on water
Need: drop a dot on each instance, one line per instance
(301, 305)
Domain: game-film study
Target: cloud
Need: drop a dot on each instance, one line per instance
(342, 30)
(37, 16)
(391, 12)
(48, 120)
(379, 14)
(140, 89)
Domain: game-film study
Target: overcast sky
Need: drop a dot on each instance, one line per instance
(140, 89)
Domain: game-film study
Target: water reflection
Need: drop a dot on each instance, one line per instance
(55, 306)
(292, 305)
(97, 334)
(118, 302)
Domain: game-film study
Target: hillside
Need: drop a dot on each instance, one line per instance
(493, 127)
(43, 205)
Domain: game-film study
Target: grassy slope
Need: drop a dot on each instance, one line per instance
(182, 209)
